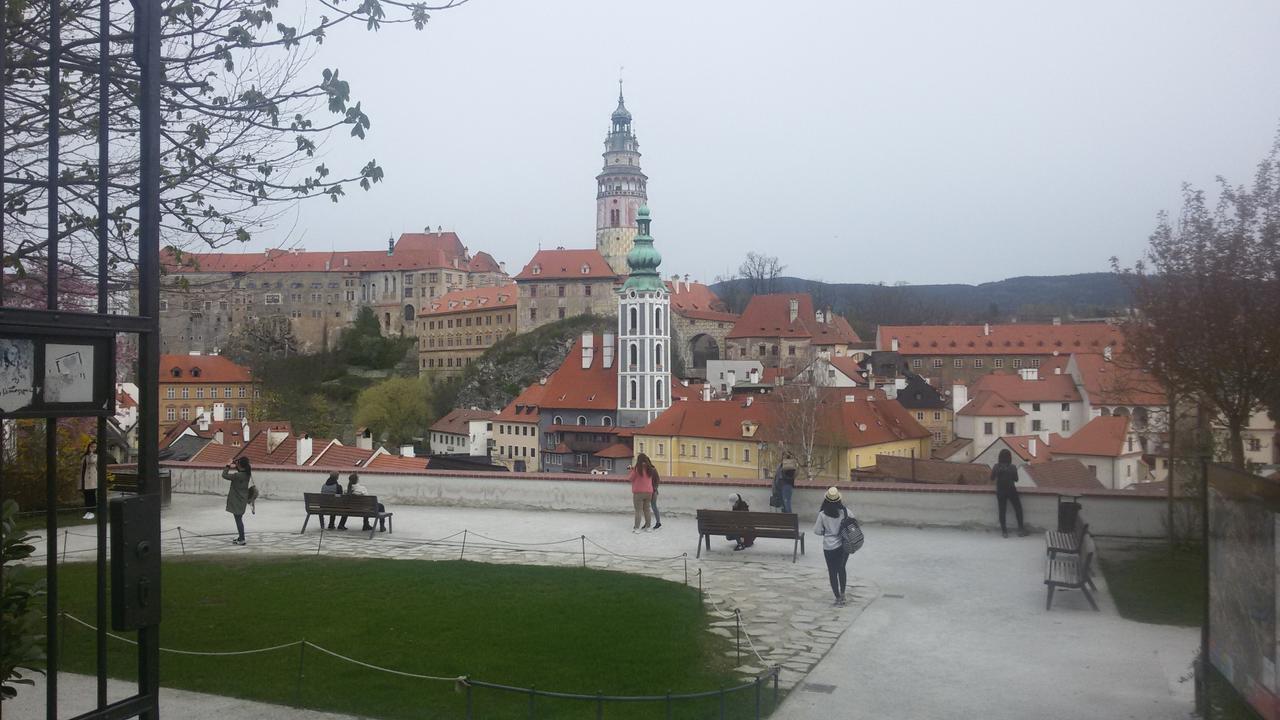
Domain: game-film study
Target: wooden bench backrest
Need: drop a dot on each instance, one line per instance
(318, 503)
(716, 522)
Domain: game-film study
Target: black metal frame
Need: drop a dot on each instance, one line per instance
(100, 330)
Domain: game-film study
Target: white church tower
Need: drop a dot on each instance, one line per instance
(644, 334)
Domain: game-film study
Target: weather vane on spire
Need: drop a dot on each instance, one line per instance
(620, 82)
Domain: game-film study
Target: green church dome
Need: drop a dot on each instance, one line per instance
(644, 259)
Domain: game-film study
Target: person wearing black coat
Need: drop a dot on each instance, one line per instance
(1005, 475)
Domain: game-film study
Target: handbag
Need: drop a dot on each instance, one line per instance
(851, 535)
(253, 496)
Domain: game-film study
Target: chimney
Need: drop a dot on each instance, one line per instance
(542, 380)
(732, 377)
(1031, 447)
(686, 282)
(893, 344)
(753, 376)
(1057, 371)
(406, 451)
(750, 399)
(304, 449)
(959, 397)
(391, 246)
(202, 419)
(364, 440)
(219, 412)
(327, 264)
(1057, 321)
(218, 437)
(795, 309)
(871, 381)
(986, 329)
(588, 350)
(244, 430)
(706, 392)
(608, 348)
(502, 267)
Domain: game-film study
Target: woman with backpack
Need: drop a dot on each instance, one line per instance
(831, 519)
(241, 477)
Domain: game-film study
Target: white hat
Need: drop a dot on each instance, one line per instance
(833, 494)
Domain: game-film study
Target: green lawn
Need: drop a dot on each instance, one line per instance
(1155, 584)
(559, 629)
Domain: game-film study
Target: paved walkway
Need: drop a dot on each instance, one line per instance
(960, 629)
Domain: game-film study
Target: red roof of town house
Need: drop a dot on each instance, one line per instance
(1048, 388)
(574, 387)
(849, 367)
(561, 264)
(1118, 381)
(412, 251)
(1101, 436)
(769, 316)
(717, 419)
(1007, 339)
(989, 404)
(387, 461)
(485, 298)
(696, 301)
(524, 409)
(1020, 445)
(124, 399)
(458, 419)
(202, 369)
(483, 262)
(950, 449)
(215, 454)
(939, 472)
(616, 451)
(342, 456)
(868, 417)
(1064, 475)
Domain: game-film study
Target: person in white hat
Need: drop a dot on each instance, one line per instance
(830, 516)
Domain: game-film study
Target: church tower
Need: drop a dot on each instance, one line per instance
(621, 190)
(644, 334)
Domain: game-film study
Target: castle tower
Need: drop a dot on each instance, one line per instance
(644, 334)
(621, 190)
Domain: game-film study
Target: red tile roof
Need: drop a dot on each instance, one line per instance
(1008, 339)
(989, 404)
(696, 301)
(870, 419)
(412, 251)
(211, 369)
(342, 456)
(951, 448)
(458, 301)
(849, 367)
(1101, 436)
(1064, 475)
(769, 316)
(574, 387)
(124, 399)
(1048, 388)
(214, 453)
(456, 422)
(940, 472)
(561, 264)
(524, 408)
(616, 450)
(1020, 445)
(1118, 382)
(396, 462)
(717, 419)
(483, 262)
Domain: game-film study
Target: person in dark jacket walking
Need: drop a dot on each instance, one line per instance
(1005, 476)
(238, 494)
(331, 487)
(784, 480)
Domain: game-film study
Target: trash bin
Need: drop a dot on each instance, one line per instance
(1068, 511)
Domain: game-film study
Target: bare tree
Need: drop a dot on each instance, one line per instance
(802, 423)
(761, 272)
(1205, 297)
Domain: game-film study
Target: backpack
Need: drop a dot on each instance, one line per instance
(851, 536)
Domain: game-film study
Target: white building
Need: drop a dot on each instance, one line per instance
(644, 335)
(462, 432)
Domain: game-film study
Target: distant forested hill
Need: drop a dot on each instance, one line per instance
(1024, 298)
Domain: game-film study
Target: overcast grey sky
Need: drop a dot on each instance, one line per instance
(860, 142)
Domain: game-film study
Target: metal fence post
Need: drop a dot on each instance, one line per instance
(181, 545)
(721, 703)
(668, 705)
(533, 694)
(737, 632)
(584, 550)
(757, 697)
(686, 569)
(66, 538)
(464, 551)
(599, 705)
(468, 701)
(297, 691)
(775, 687)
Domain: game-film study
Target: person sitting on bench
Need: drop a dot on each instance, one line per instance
(740, 505)
(355, 488)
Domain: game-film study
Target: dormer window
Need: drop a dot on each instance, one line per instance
(195, 372)
(585, 268)
(537, 269)
(176, 372)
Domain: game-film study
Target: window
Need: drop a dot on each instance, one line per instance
(706, 453)
(920, 415)
(958, 362)
(724, 453)
(241, 392)
(937, 362)
(186, 393)
(998, 362)
(746, 455)
(1009, 428)
(271, 298)
(987, 429)
(557, 420)
(170, 413)
(1035, 426)
(185, 413)
(582, 420)
(1255, 444)
(684, 449)
(241, 412)
(1035, 407)
(791, 350)
(662, 449)
(774, 350)
(1017, 362)
(169, 393)
(917, 362)
(1066, 407)
(200, 393)
(657, 320)
(1066, 426)
(533, 314)
(937, 415)
(978, 362)
(1034, 362)
(606, 421)
(586, 290)
(226, 393)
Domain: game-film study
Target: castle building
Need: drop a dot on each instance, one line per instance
(644, 334)
(621, 190)
(456, 328)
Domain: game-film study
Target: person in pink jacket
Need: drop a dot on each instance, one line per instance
(641, 478)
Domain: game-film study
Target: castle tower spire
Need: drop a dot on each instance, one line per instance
(644, 334)
(621, 189)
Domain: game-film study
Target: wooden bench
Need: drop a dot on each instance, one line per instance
(361, 506)
(756, 524)
(1066, 542)
(1071, 572)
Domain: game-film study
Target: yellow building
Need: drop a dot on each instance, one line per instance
(741, 437)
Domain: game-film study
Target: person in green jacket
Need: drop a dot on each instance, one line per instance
(238, 494)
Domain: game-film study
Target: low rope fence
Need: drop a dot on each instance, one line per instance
(468, 686)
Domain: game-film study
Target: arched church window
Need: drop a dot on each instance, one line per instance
(657, 392)
(632, 393)
(634, 315)
(657, 320)
(633, 353)
(657, 355)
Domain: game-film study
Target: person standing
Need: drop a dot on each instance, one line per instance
(89, 478)
(641, 478)
(653, 500)
(785, 479)
(240, 475)
(331, 487)
(830, 519)
(1005, 474)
